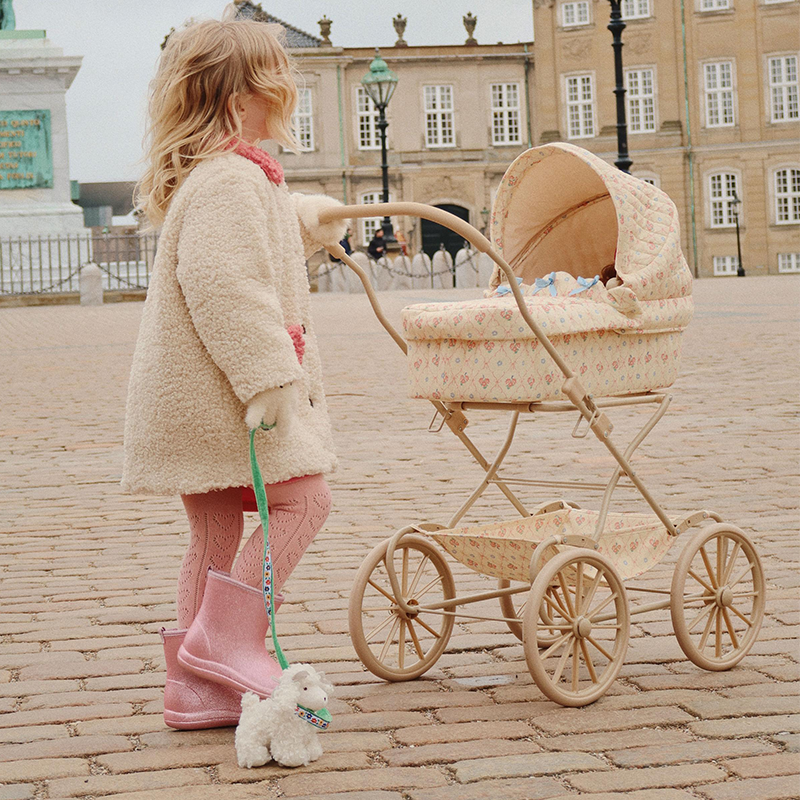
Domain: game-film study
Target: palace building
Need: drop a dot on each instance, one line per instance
(713, 114)
(459, 116)
(712, 110)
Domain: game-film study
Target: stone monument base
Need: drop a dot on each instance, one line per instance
(35, 193)
(42, 220)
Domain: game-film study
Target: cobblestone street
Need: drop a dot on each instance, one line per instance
(87, 578)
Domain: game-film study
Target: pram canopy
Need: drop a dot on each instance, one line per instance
(560, 207)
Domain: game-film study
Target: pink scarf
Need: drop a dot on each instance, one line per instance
(272, 169)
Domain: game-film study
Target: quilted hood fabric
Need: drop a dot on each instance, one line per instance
(560, 207)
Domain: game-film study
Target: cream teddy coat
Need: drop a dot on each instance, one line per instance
(228, 279)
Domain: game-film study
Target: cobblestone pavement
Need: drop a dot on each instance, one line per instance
(88, 572)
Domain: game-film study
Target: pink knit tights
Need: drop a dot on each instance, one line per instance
(297, 511)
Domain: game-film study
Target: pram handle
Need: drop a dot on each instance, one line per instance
(572, 387)
(456, 224)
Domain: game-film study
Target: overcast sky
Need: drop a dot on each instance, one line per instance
(119, 41)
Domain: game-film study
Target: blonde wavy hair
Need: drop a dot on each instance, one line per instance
(193, 114)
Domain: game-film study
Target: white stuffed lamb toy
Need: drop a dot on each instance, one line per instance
(271, 729)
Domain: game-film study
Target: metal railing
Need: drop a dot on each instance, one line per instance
(52, 264)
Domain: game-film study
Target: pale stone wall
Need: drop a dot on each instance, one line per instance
(746, 34)
(466, 175)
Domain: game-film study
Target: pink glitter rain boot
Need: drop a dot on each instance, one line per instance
(191, 702)
(225, 643)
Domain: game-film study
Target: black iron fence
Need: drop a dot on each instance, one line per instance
(52, 264)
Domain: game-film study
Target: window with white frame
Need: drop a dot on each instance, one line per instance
(370, 225)
(723, 191)
(718, 84)
(787, 196)
(726, 265)
(714, 5)
(505, 113)
(783, 89)
(439, 116)
(303, 120)
(368, 133)
(788, 262)
(775, 2)
(573, 14)
(641, 97)
(653, 180)
(635, 9)
(580, 106)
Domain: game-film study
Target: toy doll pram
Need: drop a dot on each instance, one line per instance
(551, 339)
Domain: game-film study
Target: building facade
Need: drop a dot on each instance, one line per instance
(459, 116)
(713, 114)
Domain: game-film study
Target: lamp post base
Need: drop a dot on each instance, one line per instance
(390, 240)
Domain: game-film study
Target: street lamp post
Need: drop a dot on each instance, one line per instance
(735, 203)
(379, 83)
(616, 26)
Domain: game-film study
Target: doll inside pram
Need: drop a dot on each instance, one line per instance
(549, 338)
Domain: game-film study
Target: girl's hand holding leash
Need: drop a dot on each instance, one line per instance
(273, 407)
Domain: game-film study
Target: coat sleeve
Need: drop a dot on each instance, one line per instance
(315, 234)
(225, 274)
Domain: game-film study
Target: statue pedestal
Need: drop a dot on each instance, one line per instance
(35, 197)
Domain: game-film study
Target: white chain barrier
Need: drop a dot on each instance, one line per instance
(471, 269)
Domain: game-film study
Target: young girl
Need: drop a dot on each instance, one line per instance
(226, 342)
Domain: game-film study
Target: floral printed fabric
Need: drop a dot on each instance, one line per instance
(500, 318)
(633, 542)
(483, 350)
(649, 259)
(521, 371)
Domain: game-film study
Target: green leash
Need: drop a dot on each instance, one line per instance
(322, 718)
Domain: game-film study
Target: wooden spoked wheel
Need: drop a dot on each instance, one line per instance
(391, 644)
(585, 599)
(513, 609)
(717, 597)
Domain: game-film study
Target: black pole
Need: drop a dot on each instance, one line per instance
(616, 26)
(739, 266)
(388, 232)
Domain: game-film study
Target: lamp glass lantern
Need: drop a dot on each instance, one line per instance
(379, 83)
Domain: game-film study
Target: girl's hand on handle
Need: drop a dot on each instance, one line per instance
(308, 209)
(273, 407)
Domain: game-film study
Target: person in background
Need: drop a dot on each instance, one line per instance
(377, 247)
(401, 240)
(345, 243)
